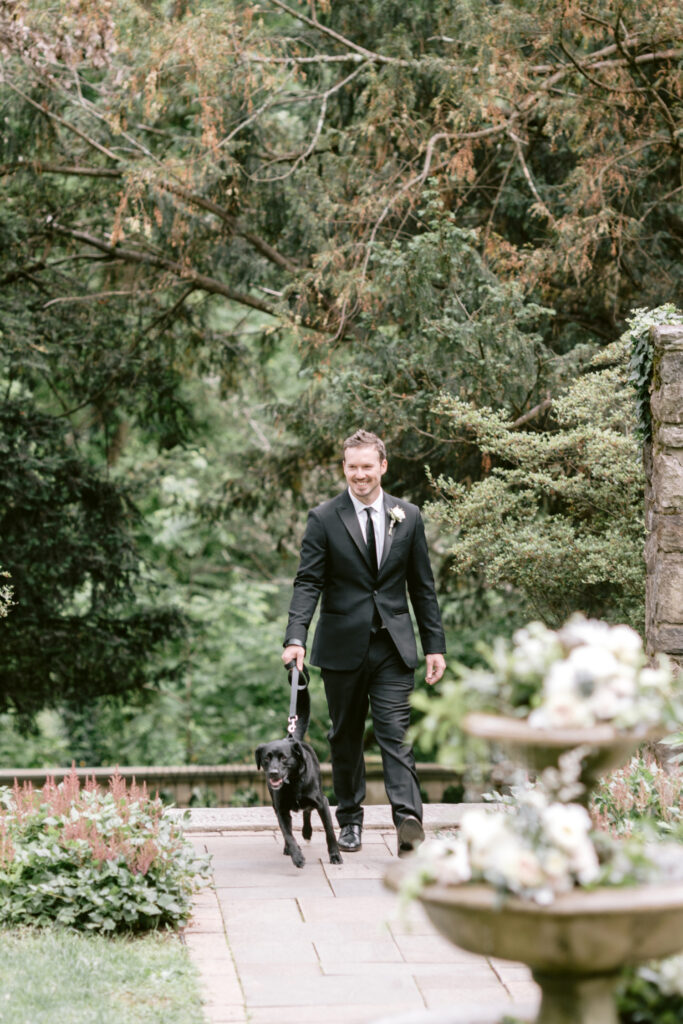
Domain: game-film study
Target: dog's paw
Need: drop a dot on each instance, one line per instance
(298, 858)
(307, 830)
(336, 857)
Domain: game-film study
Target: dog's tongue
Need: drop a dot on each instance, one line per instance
(275, 783)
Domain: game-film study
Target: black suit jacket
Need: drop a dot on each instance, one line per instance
(335, 568)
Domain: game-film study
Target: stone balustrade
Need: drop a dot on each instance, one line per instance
(224, 785)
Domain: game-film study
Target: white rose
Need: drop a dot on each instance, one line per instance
(669, 975)
(481, 829)
(606, 705)
(590, 664)
(566, 826)
(561, 711)
(625, 644)
(584, 863)
(579, 630)
(556, 868)
(518, 865)
(455, 868)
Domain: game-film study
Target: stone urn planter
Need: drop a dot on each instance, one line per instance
(575, 946)
(606, 748)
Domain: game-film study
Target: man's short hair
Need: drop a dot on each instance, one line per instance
(364, 439)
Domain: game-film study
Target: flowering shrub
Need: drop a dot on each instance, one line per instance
(99, 860)
(641, 792)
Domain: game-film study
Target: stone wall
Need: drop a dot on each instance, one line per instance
(664, 497)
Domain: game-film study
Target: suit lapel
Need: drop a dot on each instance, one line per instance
(347, 514)
(388, 533)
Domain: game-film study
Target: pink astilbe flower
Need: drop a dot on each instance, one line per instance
(144, 857)
(117, 785)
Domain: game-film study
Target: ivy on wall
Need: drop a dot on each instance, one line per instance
(642, 355)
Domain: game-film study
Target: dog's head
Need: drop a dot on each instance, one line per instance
(281, 761)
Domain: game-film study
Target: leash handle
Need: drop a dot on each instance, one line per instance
(294, 676)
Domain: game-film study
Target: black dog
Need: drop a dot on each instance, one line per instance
(293, 777)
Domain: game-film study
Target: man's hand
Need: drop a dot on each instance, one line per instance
(436, 666)
(294, 653)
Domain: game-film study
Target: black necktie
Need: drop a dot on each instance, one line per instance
(371, 540)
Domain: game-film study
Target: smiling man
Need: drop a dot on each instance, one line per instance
(363, 553)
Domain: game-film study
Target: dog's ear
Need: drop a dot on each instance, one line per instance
(298, 751)
(259, 756)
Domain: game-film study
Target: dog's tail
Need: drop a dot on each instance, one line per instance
(303, 704)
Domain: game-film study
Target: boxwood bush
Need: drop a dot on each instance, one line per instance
(100, 860)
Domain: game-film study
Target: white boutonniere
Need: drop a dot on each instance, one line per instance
(396, 515)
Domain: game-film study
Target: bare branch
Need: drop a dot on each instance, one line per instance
(367, 54)
(527, 174)
(184, 273)
(531, 414)
(60, 120)
(318, 128)
(87, 172)
(96, 296)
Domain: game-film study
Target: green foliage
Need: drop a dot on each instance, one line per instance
(75, 630)
(559, 515)
(325, 221)
(642, 356)
(93, 860)
(55, 974)
(652, 994)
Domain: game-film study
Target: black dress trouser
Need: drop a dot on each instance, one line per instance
(384, 684)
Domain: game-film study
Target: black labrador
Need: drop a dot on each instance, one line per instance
(293, 776)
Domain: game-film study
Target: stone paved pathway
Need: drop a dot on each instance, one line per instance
(328, 943)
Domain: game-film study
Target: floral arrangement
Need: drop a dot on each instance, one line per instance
(536, 850)
(585, 674)
(100, 860)
(588, 673)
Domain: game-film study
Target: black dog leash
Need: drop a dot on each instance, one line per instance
(294, 676)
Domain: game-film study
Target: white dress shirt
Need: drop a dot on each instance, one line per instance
(378, 519)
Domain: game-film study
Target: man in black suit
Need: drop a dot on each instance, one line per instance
(359, 553)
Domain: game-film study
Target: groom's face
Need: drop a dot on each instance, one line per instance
(364, 470)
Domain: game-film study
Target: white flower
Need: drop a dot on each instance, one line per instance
(455, 868)
(556, 868)
(566, 826)
(591, 664)
(561, 711)
(482, 829)
(667, 975)
(607, 705)
(397, 515)
(585, 864)
(626, 645)
(519, 865)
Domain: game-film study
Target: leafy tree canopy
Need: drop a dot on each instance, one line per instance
(335, 214)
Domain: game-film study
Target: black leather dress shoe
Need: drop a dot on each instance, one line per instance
(349, 838)
(410, 835)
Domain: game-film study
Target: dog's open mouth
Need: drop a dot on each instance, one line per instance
(276, 783)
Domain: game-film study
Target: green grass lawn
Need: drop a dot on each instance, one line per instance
(49, 976)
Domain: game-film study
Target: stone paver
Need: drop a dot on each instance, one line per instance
(327, 943)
